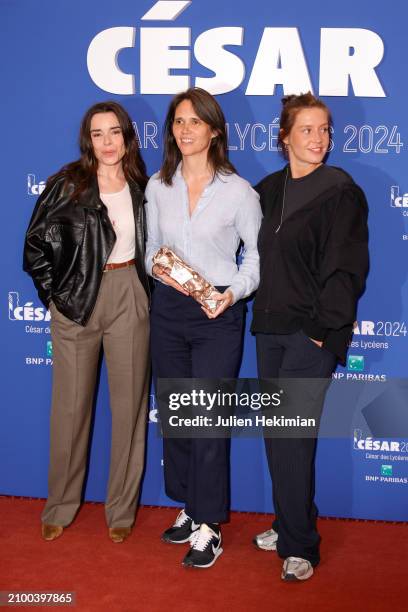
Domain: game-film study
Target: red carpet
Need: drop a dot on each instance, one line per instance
(363, 568)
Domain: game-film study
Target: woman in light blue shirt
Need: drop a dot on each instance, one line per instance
(198, 206)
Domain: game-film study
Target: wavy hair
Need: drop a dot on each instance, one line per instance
(83, 171)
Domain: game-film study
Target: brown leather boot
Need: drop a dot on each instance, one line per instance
(51, 532)
(119, 534)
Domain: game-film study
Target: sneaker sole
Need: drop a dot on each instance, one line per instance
(216, 555)
(293, 578)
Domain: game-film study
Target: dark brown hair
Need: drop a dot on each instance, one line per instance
(291, 106)
(82, 171)
(209, 111)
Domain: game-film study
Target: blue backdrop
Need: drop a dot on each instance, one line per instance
(61, 57)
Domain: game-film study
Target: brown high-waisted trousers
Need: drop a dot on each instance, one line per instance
(119, 323)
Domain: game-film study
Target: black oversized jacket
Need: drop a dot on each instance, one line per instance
(68, 243)
(313, 269)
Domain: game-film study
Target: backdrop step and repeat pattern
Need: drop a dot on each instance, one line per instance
(59, 58)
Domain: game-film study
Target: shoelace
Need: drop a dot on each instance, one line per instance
(181, 519)
(200, 539)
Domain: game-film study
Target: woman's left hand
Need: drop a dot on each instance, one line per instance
(224, 301)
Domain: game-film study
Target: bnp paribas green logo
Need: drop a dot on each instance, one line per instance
(49, 348)
(355, 363)
(386, 470)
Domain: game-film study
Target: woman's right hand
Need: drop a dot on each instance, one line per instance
(160, 273)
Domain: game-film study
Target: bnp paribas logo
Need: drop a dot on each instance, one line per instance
(355, 363)
(49, 348)
(386, 470)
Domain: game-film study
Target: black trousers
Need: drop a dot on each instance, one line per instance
(186, 344)
(292, 460)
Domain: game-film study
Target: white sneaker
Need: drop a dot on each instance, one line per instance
(266, 540)
(296, 568)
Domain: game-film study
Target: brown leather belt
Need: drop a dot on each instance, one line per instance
(122, 264)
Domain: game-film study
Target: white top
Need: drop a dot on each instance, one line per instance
(228, 211)
(120, 212)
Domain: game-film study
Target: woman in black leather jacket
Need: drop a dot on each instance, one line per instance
(84, 249)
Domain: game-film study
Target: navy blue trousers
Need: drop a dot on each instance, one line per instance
(186, 344)
(292, 460)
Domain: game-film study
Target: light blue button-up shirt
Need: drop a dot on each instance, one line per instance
(228, 211)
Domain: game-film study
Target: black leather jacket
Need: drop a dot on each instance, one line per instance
(68, 243)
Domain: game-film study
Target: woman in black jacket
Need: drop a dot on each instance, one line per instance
(314, 261)
(85, 252)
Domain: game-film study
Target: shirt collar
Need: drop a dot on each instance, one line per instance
(210, 186)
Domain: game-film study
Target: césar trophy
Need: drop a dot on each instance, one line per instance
(197, 286)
